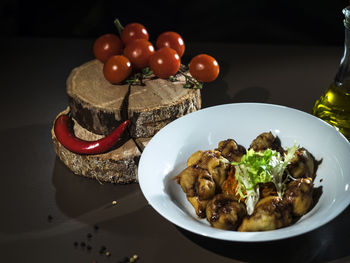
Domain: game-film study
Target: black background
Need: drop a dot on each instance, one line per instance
(269, 22)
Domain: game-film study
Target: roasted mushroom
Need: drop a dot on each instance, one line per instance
(270, 213)
(302, 165)
(231, 150)
(225, 212)
(198, 205)
(212, 161)
(196, 181)
(199, 187)
(299, 195)
(266, 140)
(194, 158)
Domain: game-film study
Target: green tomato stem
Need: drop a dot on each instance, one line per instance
(118, 26)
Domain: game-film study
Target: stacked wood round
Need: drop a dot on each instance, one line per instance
(98, 107)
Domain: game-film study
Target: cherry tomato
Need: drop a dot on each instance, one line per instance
(134, 31)
(165, 62)
(172, 40)
(106, 46)
(204, 68)
(138, 52)
(116, 69)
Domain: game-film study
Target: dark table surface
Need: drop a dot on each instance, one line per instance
(35, 185)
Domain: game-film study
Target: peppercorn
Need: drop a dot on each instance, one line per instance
(82, 244)
(96, 227)
(134, 258)
(89, 235)
(49, 218)
(88, 247)
(75, 243)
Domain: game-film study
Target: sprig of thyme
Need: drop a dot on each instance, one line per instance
(172, 79)
(191, 82)
(137, 78)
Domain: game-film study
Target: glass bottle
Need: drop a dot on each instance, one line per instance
(334, 105)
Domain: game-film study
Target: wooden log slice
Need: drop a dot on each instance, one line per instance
(99, 106)
(142, 143)
(118, 165)
(96, 104)
(159, 102)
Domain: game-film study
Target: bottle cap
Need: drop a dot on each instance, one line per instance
(346, 12)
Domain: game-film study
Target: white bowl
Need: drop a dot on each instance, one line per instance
(166, 154)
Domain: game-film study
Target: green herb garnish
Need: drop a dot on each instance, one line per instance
(191, 83)
(257, 167)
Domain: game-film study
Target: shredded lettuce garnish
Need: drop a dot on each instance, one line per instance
(257, 167)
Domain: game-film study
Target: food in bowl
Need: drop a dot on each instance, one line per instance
(263, 188)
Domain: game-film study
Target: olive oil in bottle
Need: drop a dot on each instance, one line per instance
(334, 105)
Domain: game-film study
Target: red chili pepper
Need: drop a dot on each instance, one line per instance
(74, 144)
